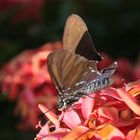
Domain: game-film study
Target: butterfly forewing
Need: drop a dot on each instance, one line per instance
(66, 68)
(77, 39)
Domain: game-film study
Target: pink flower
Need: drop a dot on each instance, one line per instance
(25, 79)
(112, 113)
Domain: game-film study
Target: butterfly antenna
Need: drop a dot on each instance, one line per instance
(42, 114)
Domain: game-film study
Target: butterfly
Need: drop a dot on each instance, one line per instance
(73, 68)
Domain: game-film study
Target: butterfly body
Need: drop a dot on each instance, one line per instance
(85, 89)
(94, 85)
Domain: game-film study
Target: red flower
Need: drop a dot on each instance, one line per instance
(112, 113)
(26, 79)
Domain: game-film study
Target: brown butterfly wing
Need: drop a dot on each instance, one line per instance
(66, 68)
(77, 39)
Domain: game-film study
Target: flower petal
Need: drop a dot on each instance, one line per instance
(87, 106)
(133, 88)
(109, 112)
(110, 132)
(134, 134)
(50, 115)
(88, 135)
(75, 133)
(112, 92)
(71, 119)
(130, 101)
(43, 132)
(57, 134)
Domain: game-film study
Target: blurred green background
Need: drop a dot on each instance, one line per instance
(114, 26)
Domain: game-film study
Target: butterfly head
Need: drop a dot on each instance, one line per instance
(61, 105)
(65, 100)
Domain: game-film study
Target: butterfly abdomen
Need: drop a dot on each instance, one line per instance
(97, 84)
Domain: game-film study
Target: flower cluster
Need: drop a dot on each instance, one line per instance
(110, 114)
(25, 79)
